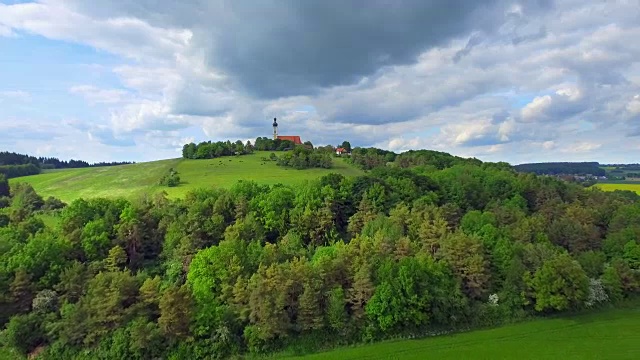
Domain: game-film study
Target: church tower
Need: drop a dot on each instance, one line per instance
(275, 129)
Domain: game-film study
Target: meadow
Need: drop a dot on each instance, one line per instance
(610, 334)
(619, 186)
(134, 180)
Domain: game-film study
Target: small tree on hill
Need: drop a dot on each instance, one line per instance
(4, 185)
(171, 180)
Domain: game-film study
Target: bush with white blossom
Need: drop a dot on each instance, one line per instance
(493, 299)
(597, 294)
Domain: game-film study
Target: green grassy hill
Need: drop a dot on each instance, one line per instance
(610, 334)
(137, 179)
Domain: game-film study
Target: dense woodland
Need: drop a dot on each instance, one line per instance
(211, 150)
(423, 243)
(305, 158)
(16, 165)
(563, 168)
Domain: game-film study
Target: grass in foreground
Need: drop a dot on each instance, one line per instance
(619, 186)
(9, 354)
(137, 179)
(611, 334)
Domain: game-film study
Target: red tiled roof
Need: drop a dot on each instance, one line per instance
(295, 139)
(340, 150)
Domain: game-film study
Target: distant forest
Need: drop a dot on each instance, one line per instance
(559, 168)
(15, 165)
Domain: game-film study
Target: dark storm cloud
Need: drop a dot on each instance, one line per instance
(282, 48)
(296, 48)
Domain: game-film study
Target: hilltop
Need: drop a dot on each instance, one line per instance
(135, 179)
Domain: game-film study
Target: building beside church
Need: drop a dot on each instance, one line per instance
(293, 138)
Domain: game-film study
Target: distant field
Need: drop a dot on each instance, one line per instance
(611, 334)
(136, 179)
(619, 186)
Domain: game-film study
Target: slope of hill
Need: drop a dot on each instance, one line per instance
(136, 179)
(607, 335)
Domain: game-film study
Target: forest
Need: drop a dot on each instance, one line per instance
(303, 158)
(423, 243)
(212, 150)
(563, 168)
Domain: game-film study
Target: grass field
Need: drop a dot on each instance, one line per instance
(9, 354)
(612, 334)
(619, 186)
(136, 179)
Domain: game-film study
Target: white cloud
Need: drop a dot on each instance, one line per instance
(95, 95)
(582, 147)
(146, 115)
(548, 145)
(126, 36)
(5, 31)
(536, 108)
(633, 107)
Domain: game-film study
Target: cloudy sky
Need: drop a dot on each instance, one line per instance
(516, 81)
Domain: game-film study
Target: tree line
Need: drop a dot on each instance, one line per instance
(425, 160)
(305, 158)
(16, 165)
(441, 245)
(211, 150)
(563, 168)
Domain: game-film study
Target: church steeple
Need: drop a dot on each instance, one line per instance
(275, 129)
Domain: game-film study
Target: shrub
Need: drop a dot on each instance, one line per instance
(52, 203)
(171, 180)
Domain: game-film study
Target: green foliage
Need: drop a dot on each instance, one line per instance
(211, 150)
(427, 243)
(346, 145)
(24, 332)
(336, 309)
(13, 171)
(52, 203)
(370, 158)
(632, 254)
(560, 284)
(562, 168)
(304, 158)
(24, 201)
(612, 282)
(172, 179)
(4, 186)
(465, 254)
(593, 263)
(175, 313)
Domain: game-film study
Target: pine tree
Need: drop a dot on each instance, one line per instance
(175, 312)
(117, 259)
(309, 314)
(361, 291)
(22, 291)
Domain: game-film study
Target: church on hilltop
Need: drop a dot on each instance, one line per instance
(293, 138)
